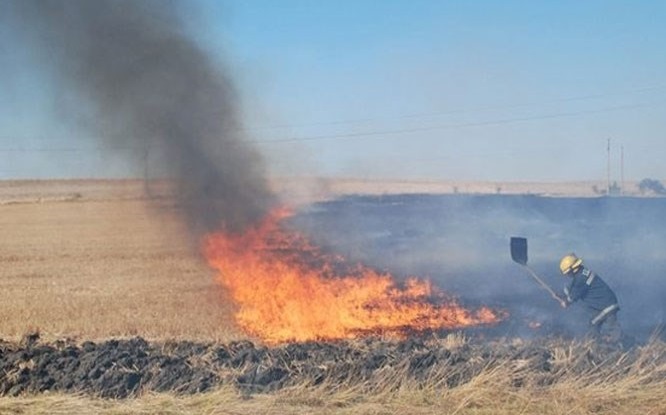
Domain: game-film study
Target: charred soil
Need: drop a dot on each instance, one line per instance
(131, 367)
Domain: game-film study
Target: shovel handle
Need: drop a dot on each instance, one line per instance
(546, 287)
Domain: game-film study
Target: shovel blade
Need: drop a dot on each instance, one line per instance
(519, 250)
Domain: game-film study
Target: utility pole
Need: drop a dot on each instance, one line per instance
(146, 178)
(608, 185)
(621, 169)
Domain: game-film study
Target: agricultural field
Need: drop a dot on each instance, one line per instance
(109, 306)
(96, 260)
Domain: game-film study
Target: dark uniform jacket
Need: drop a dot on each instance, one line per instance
(589, 288)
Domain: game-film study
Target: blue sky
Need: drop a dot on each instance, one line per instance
(460, 90)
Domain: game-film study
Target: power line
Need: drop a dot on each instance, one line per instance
(460, 111)
(380, 133)
(363, 135)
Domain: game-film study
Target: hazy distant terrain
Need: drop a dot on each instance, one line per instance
(295, 190)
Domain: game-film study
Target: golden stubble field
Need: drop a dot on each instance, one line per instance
(98, 260)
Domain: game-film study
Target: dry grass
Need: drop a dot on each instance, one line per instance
(96, 268)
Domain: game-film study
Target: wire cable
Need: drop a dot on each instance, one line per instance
(382, 133)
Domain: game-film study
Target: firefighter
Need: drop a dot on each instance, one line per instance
(596, 295)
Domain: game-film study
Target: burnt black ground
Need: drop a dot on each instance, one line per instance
(128, 368)
(461, 242)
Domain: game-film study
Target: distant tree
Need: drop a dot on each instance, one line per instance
(615, 189)
(651, 185)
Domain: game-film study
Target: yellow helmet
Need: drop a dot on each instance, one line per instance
(570, 262)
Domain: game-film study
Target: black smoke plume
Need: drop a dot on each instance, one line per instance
(148, 86)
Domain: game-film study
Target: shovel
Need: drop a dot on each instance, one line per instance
(519, 255)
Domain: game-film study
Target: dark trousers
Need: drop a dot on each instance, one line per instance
(607, 330)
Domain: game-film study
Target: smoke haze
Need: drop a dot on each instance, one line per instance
(142, 83)
(462, 243)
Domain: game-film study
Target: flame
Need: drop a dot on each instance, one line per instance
(287, 289)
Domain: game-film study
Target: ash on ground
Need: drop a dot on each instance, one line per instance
(130, 367)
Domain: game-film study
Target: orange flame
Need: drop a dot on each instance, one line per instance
(286, 289)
